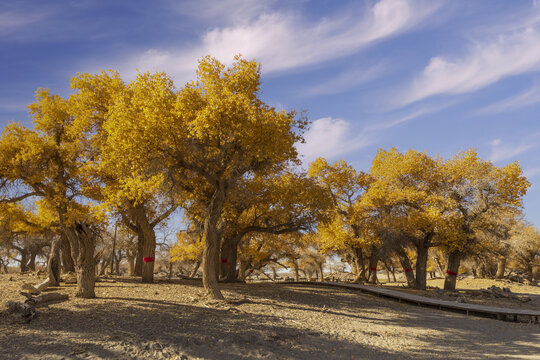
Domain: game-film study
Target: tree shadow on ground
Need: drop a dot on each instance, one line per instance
(462, 336)
(163, 329)
(126, 328)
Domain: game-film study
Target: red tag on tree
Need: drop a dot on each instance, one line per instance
(451, 273)
(148, 259)
(408, 270)
(224, 261)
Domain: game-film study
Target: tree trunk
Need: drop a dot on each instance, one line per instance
(195, 269)
(320, 265)
(501, 267)
(68, 265)
(438, 265)
(131, 255)
(421, 266)
(359, 264)
(139, 256)
(146, 243)
(82, 241)
(296, 271)
(113, 248)
(406, 265)
(53, 264)
(24, 260)
(373, 261)
(231, 273)
(211, 243)
(33, 254)
(117, 262)
(454, 259)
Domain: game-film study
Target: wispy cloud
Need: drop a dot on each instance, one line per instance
(330, 138)
(14, 20)
(347, 80)
(514, 51)
(285, 40)
(525, 98)
(532, 172)
(501, 151)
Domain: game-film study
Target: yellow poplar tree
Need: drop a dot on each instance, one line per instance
(202, 139)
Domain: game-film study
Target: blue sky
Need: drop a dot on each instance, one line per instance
(431, 75)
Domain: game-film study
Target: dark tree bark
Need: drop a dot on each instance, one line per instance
(454, 259)
(358, 258)
(211, 243)
(373, 261)
(68, 264)
(32, 261)
(229, 259)
(421, 266)
(406, 265)
(24, 259)
(139, 256)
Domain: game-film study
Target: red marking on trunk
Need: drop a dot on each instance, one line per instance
(373, 269)
(251, 270)
(223, 261)
(451, 273)
(148, 259)
(408, 270)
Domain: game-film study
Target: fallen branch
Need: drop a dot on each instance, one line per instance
(36, 289)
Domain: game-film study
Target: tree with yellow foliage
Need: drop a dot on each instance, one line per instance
(408, 205)
(141, 209)
(45, 163)
(204, 138)
(346, 227)
(188, 248)
(479, 192)
(273, 204)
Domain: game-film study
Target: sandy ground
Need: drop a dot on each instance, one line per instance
(171, 320)
(463, 285)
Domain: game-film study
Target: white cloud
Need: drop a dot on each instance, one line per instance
(525, 98)
(500, 151)
(511, 52)
(282, 41)
(329, 138)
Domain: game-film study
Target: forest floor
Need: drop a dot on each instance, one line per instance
(172, 320)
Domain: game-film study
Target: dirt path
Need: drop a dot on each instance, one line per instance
(267, 321)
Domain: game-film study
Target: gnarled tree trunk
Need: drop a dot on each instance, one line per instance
(211, 243)
(373, 261)
(53, 264)
(406, 265)
(83, 242)
(359, 265)
(501, 267)
(454, 259)
(139, 256)
(68, 264)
